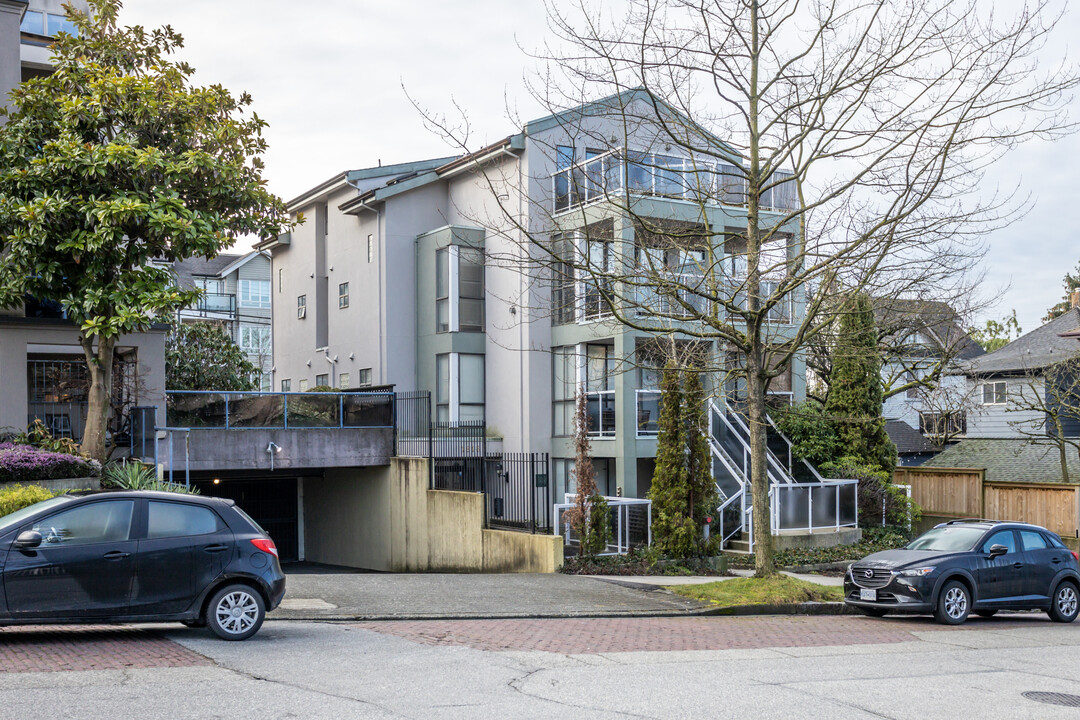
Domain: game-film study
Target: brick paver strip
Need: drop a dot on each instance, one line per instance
(606, 635)
(94, 647)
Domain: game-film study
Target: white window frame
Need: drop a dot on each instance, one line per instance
(286, 385)
(343, 381)
(363, 378)
(301, 307)
(246, 297)
(370, 248)
(994, 392)
(303, 384)
(247, 332)
(343, 295)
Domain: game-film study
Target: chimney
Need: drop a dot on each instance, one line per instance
(1074, 299)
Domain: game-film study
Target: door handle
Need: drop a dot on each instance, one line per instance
(1056, 560)
(116, 555)
(1018, 565)
(215, 548)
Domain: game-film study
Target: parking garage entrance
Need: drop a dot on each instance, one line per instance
(271, 501)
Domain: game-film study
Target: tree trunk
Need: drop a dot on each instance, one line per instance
(100, 363)
(759, 476)
(1064, 462)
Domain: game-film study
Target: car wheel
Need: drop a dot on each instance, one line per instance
(873, 612)
(235, 612)
(986, 613)
(1066, 603)
(953, 604)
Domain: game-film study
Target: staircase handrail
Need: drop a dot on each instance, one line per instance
(811, 468)
(725, 536)
(770, 457)
(729, 463)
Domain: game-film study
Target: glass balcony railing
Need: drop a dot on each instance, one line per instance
(600, 405)
(654, 174)
(224, 303)
(278, 410)
(681, 295)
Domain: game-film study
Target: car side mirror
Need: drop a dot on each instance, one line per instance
(28, 539)
(998, 550)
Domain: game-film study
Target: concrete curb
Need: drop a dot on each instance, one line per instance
(810, 608)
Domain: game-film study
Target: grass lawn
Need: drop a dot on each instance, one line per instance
(778, 590)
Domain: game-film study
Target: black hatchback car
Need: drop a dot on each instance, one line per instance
(960, 567)
(108, 557)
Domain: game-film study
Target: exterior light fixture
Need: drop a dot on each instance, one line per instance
(273, 448)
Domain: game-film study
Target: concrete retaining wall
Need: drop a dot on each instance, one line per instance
(59, 486)
(386, 518)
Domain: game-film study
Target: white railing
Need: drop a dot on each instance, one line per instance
(621, 508)
(601, 409)
(806, 507)
(648, 412)
(668, 176)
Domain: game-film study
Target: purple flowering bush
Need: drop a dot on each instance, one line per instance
(25, 463)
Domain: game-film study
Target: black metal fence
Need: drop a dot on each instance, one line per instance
(459, 455)
(519, 493)
(412, 428)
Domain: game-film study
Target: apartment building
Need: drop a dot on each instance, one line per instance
(414, 275)
(236, 295)
(27, 28)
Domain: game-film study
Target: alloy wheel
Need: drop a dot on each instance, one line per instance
(1066, 600)
(956, 603)
(236, 612)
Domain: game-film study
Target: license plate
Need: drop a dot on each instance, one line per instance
(870, 595)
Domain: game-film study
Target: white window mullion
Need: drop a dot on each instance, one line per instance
(455, 388)
(454, 290)
(578, 249)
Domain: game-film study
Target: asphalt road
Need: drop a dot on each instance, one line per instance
(789, 667)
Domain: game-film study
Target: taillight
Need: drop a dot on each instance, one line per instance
(1076, 555)
(266, 545)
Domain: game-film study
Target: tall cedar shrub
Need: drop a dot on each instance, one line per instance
(678, 500)
(855, 395)
(703, 498)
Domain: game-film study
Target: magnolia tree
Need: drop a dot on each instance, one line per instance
(816, 148)
(112, 162)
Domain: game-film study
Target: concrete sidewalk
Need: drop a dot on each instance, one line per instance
(377, 596)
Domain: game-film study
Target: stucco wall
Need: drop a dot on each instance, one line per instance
(386, 519)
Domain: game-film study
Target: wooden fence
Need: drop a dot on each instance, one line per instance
(965, 492)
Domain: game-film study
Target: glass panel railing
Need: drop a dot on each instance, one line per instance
(216, 302)
(601, 410)
(793, 511)
(849, 504)
(648, 413)
(195, 410)
(255, 410)
(260, 410)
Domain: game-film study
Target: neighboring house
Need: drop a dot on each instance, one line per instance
(405, 275)
(912, 447)
(42, 368)
(925, 338)
(236, 295)
(1010, 433)
(27, 28)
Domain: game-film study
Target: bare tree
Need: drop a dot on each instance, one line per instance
(946, 407)
(1050, 399)
(815, 147)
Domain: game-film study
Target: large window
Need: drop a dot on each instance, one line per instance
(255, 293)
(459, 289)
(442, 290)
(995, 393)
(51, 24)
(255, 339)
(564, 390)
(459, 387)
(564, 282)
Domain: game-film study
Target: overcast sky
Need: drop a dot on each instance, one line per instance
(329, 76)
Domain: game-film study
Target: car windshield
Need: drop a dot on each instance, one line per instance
(9, 521)
(947, 539)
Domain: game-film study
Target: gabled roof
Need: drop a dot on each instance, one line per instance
(201, 267)
(1008, 460)
(934, 319)
(1038, 349)
(618, 102)
(907, 439)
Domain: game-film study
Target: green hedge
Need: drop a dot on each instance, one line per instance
(16, 497)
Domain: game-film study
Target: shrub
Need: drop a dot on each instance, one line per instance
(876, 493)
(16, 497)
(133, 475)
(26, 463)
(39, 436)
(596, 539)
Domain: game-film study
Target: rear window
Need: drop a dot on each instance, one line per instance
(1055, 542)
(248, 518)
(947, 539)
(168, 519)
(1033, 540)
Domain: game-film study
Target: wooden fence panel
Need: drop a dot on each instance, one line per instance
(1055, 507)
(955, 492)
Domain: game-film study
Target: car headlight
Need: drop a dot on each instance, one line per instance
(917, 572)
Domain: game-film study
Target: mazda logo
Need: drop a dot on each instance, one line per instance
(868, 573)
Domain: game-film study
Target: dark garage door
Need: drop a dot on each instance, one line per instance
(271, 502)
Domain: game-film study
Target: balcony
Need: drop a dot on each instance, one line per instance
(656, 175)
(648, 413)
(215, 305)
(681, 296)
(600, 405)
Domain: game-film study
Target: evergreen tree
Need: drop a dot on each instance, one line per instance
(703, 499)
(589, 516)
(673, 530)
(855, 394)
